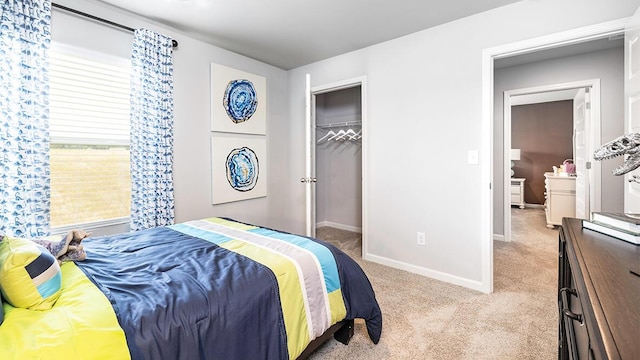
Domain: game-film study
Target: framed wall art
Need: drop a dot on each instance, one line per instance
(238, 101)
(238, 167)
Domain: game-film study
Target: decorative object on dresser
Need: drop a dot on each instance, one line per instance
(598, 292)
(517, 192)
(620, 226)
(514, 155)
(629, 222)
(560, 198)
(628, 236)
(624, 145)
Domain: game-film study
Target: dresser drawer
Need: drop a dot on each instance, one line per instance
(560, 184)
(515, 189)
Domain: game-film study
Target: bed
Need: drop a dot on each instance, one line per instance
(205, 289)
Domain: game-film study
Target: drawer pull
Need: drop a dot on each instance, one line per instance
(565, 304)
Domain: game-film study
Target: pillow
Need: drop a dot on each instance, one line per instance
(1, 310)
(1, 306)
(30, 276)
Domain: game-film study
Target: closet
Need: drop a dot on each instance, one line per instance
(338, 121)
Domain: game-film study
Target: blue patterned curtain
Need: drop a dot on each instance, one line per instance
(151, 130)
(25, 36)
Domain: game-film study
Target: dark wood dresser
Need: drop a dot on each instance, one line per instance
(598, 295)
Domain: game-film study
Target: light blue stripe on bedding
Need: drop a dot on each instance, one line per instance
(210, 236)
(327, 262)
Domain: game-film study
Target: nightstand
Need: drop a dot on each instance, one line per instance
(517, 192)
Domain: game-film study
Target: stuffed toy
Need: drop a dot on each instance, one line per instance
(68, 248)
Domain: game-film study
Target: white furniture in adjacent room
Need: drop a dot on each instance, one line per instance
(517, 192)
(560, 198)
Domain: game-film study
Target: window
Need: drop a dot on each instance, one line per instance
(89, 130)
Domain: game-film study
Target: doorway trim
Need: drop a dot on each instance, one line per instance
(593, 139)
(341, 85)
(592, 32)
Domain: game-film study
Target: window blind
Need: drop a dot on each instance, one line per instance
(89, 99)
(89, 131)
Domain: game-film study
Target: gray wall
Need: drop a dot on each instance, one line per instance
(606, 65)
(339, 163)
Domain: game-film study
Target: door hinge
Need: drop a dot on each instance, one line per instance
(588, 105)
(588, 165)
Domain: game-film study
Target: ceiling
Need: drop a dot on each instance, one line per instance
(292, 33)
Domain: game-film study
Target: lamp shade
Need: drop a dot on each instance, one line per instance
(515, 154)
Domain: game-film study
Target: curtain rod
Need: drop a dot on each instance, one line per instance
(92, 17)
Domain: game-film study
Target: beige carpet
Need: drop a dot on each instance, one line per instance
(430, 319)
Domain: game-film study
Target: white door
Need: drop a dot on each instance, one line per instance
(309, 180)
(581, 116)
(632, 104)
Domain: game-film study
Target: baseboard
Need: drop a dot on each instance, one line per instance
(499, 237)
(452, 279)
(339, 226)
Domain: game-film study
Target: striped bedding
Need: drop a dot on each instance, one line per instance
(221, 289)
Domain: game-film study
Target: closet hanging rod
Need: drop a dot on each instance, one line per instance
(339, 124)
(108, 22)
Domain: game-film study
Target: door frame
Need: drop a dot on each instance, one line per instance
(564, 38)
(593, 140)
(327, 88)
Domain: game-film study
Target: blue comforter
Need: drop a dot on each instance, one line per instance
(193, 291)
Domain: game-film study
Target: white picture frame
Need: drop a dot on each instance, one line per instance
(250, 150)
(247, 91)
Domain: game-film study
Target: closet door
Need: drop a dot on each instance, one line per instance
(309, 177)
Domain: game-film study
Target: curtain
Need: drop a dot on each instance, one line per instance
(25, 36)
(151, 130)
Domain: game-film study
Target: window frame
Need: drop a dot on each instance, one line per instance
(107, 226)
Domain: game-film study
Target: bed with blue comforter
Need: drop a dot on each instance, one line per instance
(205, 289)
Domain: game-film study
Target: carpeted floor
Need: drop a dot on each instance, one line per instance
(430, 319)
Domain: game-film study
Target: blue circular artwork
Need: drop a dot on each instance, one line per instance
(240, 100)
(242, 169)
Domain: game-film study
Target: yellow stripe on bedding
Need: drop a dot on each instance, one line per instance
(293, 308)
(338, 309)
(81, 325)
(231, 224)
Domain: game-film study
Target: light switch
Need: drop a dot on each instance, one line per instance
(472, 157)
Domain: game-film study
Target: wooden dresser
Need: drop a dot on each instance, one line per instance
(598, 295)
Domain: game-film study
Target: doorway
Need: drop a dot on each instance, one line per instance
(337, 129)
(489, 55)
(583, 139)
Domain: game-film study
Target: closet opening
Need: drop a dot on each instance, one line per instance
(338, 116)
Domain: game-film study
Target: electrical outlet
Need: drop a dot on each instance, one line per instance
(421, 239)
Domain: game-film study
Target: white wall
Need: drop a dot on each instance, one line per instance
(424, 114)
(192, 179)
(606, 65)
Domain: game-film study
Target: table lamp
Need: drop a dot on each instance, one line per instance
(515, 155)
